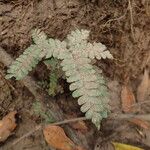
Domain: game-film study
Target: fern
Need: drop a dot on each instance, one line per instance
(40, 111)
(54, 87)
(53, 84)
(75, 54)
(28, 60)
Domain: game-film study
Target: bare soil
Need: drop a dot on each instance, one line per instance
(123, 26)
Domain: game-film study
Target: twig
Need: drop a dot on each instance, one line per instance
(112, 116)
(39, 127)
(129, 116)
(116, 19)
(69, 121)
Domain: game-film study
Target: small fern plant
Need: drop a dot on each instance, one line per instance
(75, 54)
(56, 73)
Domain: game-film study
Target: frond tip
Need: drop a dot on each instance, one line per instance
(98, 51)
(24, 63)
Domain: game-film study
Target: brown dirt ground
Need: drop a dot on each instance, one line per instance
(123, 29)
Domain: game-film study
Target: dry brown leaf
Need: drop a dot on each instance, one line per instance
(79, 148)
(80, 125)
(142, 123)
(142, 90)
(7, 125)
(56, 137)
(127, 99)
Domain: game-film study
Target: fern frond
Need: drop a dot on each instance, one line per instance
(75, 54)
(43, 47)
(98, 51)
(75, 38)
(39, 110)
(24, 63)
(53, 86)
(41, 41)
(56, 48)
(49, 47)
(88, 87)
